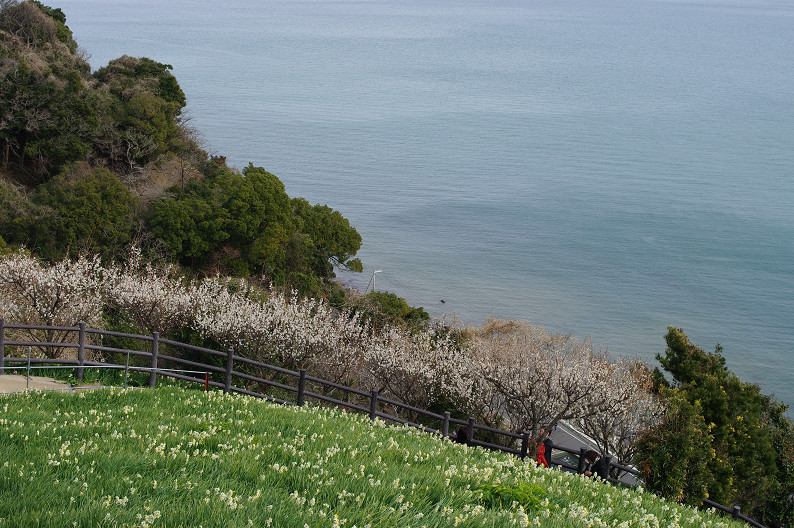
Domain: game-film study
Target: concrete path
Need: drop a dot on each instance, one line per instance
(18, 383)
(569, 437)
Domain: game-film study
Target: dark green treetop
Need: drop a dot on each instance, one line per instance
(745, 463)
(82, 209)
(247, 224)
(142, 105)
(48, 110)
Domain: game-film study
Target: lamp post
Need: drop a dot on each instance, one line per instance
(372, 281)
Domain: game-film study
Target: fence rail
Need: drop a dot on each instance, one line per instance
(373, 403)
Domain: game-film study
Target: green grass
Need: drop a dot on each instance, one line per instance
(177, 457)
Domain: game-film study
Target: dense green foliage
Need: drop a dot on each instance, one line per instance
(732, 443)
(53, 111)
(95, 161)
(48, 110)
(384, 307)
(82, 209)
(142, 110)
(501, 495)
(675, 454)
(176, 457)
(247, 224)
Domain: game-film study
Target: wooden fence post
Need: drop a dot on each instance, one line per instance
(301, 387)
(524, 445)
(2, 346)
(153, 364)
(580, 467)
(81, 351)
(373, 405)
(445, 425)
(471, 428)
(229, 365)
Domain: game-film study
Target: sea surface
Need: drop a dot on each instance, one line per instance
(603, 168)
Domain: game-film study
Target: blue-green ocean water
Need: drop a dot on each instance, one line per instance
(604, 167)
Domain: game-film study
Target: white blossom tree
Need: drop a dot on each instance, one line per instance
(535, 379)
(60, 295)
(413, 368)
(153, 297)
(275, 328)
(630, 409)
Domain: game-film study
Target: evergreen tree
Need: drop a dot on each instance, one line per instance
(745, 432)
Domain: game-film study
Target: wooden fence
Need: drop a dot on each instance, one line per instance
(230, 366)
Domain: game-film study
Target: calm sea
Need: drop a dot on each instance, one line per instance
(606, 168)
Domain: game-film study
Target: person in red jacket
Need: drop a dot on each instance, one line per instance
(541, 456)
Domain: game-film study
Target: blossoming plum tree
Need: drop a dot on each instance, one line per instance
(630, 409)
(534, 379)
(59, 295)
(152, 297)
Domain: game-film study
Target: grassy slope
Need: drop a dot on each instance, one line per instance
(175, 457)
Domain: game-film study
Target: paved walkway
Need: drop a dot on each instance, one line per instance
(18, 383)
(569, 437)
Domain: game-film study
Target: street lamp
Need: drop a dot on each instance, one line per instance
(372, 281)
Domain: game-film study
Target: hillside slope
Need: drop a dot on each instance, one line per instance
(175, 457)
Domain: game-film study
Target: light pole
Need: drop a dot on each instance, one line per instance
(372, 281)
